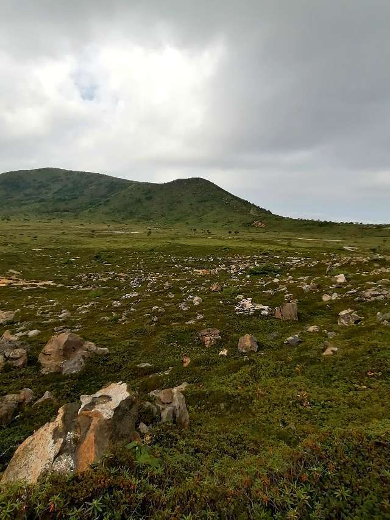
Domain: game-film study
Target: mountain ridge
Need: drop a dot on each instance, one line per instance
(60, 192)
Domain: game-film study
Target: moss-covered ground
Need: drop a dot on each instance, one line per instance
(282, 433)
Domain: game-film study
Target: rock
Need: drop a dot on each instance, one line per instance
(12, 351)
(245, 306)
(80, 435)
(223, 352)
(16, 357)
(329, 350)
(374, 294)
(47, 397)
(349, 317)
(7, 336)
(143, 428)
(33, 333)
(144, 365)
(181, 388)
(326, 298)
(258, 224)
(215, 287)
(172, 406)
(7, 317)
(287, 312)
(66, 354)
(340, 278)
(247, 343)
(10, 404)
(383, 317)
(313, 328)
(197, 300)
(186, 360)
(209, 336)
(293, 340)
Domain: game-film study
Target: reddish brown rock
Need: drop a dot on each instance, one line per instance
(80, 435)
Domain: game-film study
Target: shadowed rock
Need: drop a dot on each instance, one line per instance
(171, 405)
(12, 351)
(66, 354)
(11, 404)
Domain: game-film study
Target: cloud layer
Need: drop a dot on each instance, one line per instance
(286, 104)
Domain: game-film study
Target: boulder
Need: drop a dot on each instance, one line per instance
(66, 354)
(349, 317)
(287, 312)
(209, 336)
(171, 405)
(247, 343)
(79, 436)
(12, 351)
(7, 317)
(10, 404)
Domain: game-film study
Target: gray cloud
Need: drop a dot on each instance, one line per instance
(284, 103)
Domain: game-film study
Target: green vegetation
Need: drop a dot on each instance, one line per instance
(282, 433)
(67, 194)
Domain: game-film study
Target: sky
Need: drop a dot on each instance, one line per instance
(285, 103)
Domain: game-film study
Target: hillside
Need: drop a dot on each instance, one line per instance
(53, 192)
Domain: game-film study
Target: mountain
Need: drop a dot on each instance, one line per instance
(53, 192)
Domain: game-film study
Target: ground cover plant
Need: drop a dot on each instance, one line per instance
(284, 432)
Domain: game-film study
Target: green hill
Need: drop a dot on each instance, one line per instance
(52, 192)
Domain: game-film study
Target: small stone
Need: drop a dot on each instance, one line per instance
(186, 360)
(287, 312)
(313, 328)
(293, 341)
(209, 336)
(47, 397)
(340, 278)
(349, 317)
(329, 350)
(143, 428)
(247, 343)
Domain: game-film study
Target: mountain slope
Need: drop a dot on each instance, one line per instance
(56, 192)
(50, 191)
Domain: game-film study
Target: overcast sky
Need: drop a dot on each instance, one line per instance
(285, 103)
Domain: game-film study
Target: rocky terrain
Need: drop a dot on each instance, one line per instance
(172, 376)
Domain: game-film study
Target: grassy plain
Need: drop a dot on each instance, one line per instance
(282, 433)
